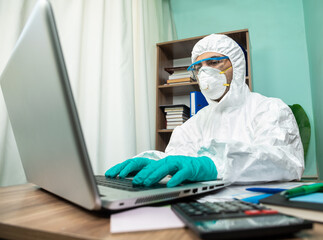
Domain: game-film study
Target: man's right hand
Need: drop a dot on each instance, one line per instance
(131, 165)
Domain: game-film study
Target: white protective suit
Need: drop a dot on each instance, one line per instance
(250, 137)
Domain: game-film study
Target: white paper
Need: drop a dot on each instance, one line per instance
(144, 219)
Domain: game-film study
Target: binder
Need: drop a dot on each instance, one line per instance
(197, 102)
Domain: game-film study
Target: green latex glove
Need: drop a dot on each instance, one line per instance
(181, 167)
(131, 165)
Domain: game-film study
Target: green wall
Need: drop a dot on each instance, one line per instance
(313, 10)
(279, 58)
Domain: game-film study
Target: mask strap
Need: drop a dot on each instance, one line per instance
(225, 70)
(226, 84)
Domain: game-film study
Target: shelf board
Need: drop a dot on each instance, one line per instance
(176, 49)
(165, 130)
(179, 88)
(182, 88)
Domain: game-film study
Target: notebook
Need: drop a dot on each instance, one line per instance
(308, 206)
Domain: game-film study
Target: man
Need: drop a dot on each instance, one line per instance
(240, 136)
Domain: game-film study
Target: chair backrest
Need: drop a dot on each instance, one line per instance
(303, 124)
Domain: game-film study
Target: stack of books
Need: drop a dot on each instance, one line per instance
(178, 75)
(176, 115)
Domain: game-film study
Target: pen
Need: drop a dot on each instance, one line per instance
(266, 190)
(302, 190)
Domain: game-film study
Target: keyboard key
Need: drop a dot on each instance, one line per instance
(124, 184)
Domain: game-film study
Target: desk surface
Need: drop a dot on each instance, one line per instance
(27, 212)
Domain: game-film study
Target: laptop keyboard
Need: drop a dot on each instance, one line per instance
(124, 184)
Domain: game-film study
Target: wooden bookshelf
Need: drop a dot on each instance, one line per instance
(167, 53)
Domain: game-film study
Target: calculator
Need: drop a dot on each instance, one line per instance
(236, 220)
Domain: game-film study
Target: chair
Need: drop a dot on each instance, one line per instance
(303, 125)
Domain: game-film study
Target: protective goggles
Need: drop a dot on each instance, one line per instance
(210, 62)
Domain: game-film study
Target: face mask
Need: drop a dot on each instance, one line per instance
(212, 81)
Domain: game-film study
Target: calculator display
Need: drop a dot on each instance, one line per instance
(246, 223)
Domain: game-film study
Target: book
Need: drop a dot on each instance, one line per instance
(308, 208)
(177, 107)
(179, 80)
(197, 102)
(179, 76)
(177, 110)
(298, 212)
(174, 124)
(170, 113)
(176, 117)
(174, 83)
(174, 121)
(172, 70)
(177, 123)
(179, 116)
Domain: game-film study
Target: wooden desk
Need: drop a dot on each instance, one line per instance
(27, 212)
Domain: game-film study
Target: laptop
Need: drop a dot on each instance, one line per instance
(47, 129)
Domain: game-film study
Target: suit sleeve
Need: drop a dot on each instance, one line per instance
(275, 154)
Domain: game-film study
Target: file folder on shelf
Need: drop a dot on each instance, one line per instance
(197, 102)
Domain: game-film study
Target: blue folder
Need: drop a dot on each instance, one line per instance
(197, 102)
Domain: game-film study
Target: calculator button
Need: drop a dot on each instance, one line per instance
(215, 211)
(260, 207)
(246, 208)
(269, 211)
(232, 210)
(197, 213)
(252, 212)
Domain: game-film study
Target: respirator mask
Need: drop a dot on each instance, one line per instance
(212, 82)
